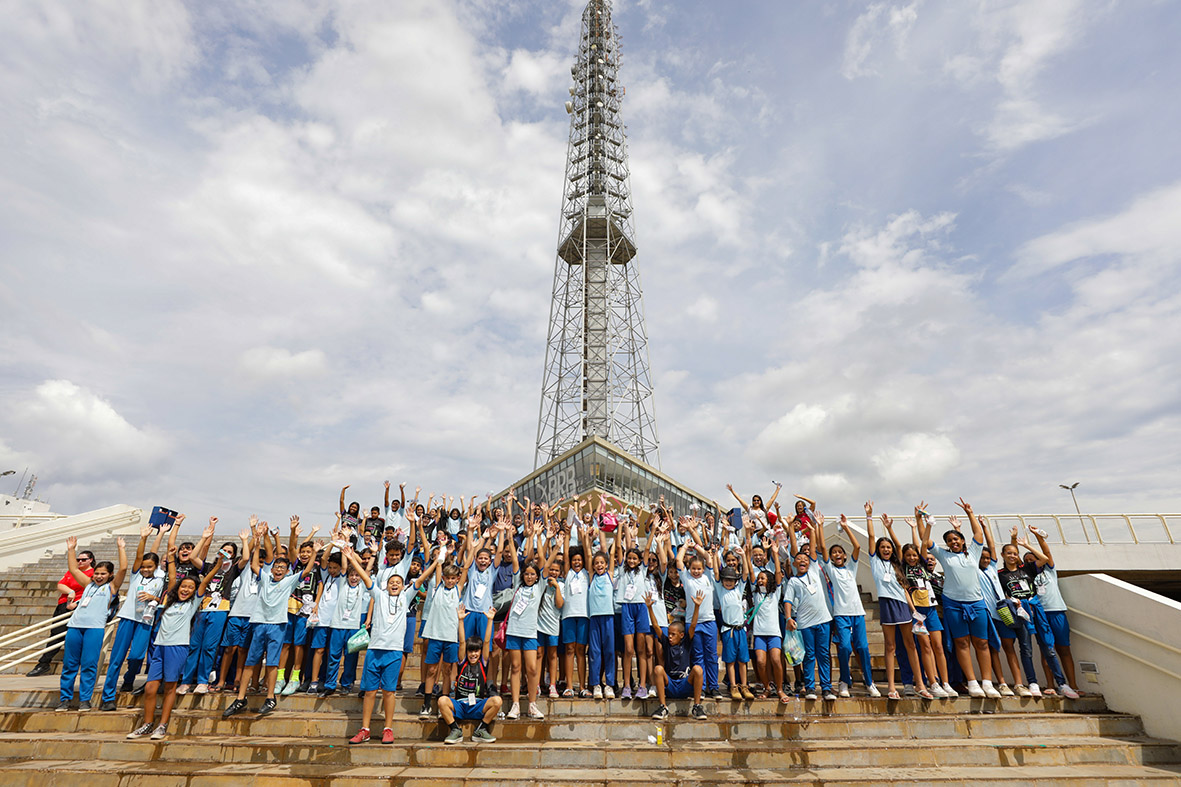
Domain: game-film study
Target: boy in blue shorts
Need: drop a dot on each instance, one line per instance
(678, 677)
(268, 621)
(471, 689)
(442, 630)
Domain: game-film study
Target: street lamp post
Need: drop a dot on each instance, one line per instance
(1077, 510)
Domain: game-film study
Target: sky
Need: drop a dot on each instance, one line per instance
(253, 251)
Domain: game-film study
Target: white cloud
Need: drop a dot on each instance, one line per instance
(916, 459)
(880, 25)
(274, 364)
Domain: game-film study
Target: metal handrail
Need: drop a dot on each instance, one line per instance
(1097, 529)
(33, 628)
(45, 644)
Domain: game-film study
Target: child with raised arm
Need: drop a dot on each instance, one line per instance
(269, 620)
(805, 596)
(678, 676)
(963, 602)
(698, 580)
(847, 610)
(472, 701)
(1046, 586)
(521, 631)
(166, 661)
(383, 659)
(348, 615)
(211, 619)
(894, 605)
(136, 616)
(84, 631)
(600, 606)
(243, 600)
(629, 580)
(575, 627)
(921, 585)
(442, 629)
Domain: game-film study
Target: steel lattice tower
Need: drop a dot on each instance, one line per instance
(597, 381)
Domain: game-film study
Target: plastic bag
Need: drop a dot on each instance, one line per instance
(359, 641)
(793, 648)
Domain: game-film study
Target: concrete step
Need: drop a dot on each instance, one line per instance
(301, 725)
(692, 754)
(70, 772)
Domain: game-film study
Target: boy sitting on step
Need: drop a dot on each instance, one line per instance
(678, 676)
(471, 689)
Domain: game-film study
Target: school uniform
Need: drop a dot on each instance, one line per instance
(678, 663)
(477, 600)
(84, 641)
(601, 639)
(575, 617)
(629, 595)
(765, 620)
(268, 621)
(441, 629)
(521, 631)
(549, 617)
(352, 603)
(167, 661)
(963, 599)
(1019, 585)
(809, 606)
(132, 633)
(210, 625)
(243, 602)
(848, 614)
(705, 636)
(387, 635)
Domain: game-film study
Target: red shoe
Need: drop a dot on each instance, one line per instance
(360, 737)
(387, 735)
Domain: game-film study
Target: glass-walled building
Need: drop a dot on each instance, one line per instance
(596, 467)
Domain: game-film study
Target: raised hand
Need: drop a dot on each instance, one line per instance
(461, 611)
(887, 521)
(844, 521)
(244, 534)
(699, 598)
(121, 543)
(179, 518)
(909, 521)
(869, 508)
(387, 486)
(954, 521)
(967, 507)
(145, 531)
(295, 522)
(72, 542)
(253, 521)
(210, 528)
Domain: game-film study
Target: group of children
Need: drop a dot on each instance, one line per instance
(582, 601)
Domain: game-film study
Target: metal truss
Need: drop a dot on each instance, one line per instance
(597, 379)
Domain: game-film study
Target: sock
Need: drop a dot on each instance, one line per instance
(455, 725)
(295, 675)
(281, 678)
(481, 726)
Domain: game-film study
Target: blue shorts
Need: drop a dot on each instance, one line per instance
(575, 630)
(408, 643)
(956, 616)
(548, 640)
(1010, 632)
(932, 621)
(994, 637)
(734, 647)
(297, 630)
(381, 670)
(447, 651)
(320, 635)
(167, 662)
(266, 639)
(520, 643)
(768, 643)
(634, 619)
(1061, 628)
(237, 633)
(678, 689)
(466, 712)
(474, 624)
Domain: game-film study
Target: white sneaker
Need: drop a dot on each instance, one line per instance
(842, 689)
(202, 688)
(279, 686)
(1068, 692)
(949, 691)
(1024, 692)
(597, 693)
(160, 733)
(1035, 690)
(937, 691)
(810, 695)
(139, 732)
(990, 691)
(535, 712)
(873, 691)
(553, 692)
(608, 693)
(514, 712)
(183, 689)
(1005, 690)
(828, 695)
(974, 690)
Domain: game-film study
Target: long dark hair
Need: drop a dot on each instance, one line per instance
(895, 560)
(173, 594)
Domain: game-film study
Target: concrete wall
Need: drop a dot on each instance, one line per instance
(1134, 638)
(28, 544)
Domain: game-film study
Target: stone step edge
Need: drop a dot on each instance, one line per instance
(325, 774)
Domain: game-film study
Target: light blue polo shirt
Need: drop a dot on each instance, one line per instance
(272, 597)
(809, 601)
(574, 594)
(91, 612)
(961, 581)
(693, 586)
(389, 619)
(600, 596)
(176, 622)
(846, 596)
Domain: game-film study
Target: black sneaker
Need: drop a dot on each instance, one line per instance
(698, 713)
(37, 671)
(109, 705)
(268, 707)
(84, 706)
(661, 713)
(234, 708)
(718, 696)
(62, 707)
(421, 690)
(137, 692)
(425, 713)
(327, 692)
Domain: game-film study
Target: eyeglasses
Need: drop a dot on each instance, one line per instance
(83, 557)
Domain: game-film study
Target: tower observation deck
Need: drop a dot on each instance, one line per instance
(597, 381)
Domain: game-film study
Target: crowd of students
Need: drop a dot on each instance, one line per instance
(578, 599)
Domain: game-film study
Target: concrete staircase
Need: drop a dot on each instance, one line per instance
(857, 741)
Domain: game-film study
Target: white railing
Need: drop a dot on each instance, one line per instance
(34, 650)
(1093, 528)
